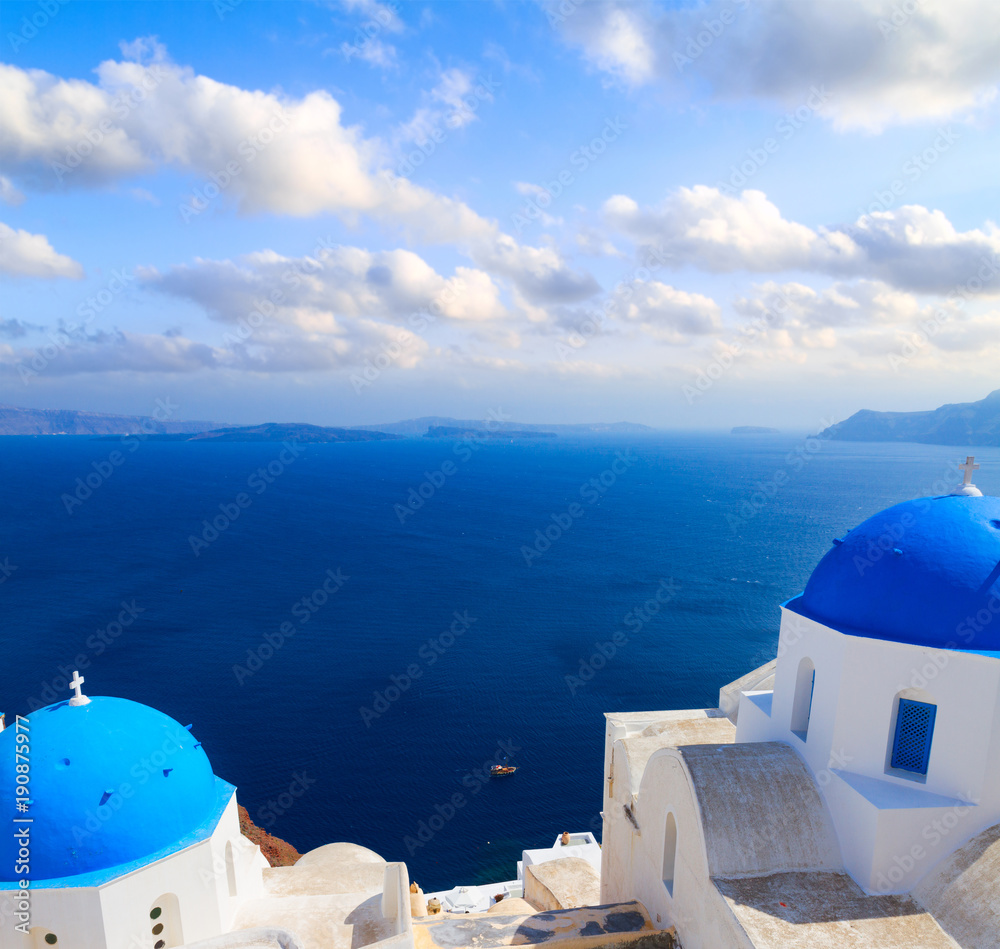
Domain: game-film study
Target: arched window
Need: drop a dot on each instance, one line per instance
(230, 868)
(165, 922)
(669, 852)
(912, 736)
(805, 684)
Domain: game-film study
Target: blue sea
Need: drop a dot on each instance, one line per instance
(357, 630)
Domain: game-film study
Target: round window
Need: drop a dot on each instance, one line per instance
(159, 944)
(51, 938)
(154, 913)
(157, 929)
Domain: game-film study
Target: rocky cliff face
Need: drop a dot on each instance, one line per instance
(279, 853)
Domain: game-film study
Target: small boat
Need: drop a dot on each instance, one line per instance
(502, 770)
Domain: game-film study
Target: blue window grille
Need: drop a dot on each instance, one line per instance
(911, 748)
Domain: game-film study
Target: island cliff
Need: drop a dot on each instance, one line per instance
(960, 423)
(279, 853)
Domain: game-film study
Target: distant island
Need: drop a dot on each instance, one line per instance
(420, 426)
(275, 432)
(15, 420)
(960, 423)
(449, 431)
(753, 430)
(288, 431)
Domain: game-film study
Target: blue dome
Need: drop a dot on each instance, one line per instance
(923, 572)
(112, 782)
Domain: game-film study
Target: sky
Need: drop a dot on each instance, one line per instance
(690, 216)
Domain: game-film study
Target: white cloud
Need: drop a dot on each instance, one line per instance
(320, 294)
(920, 249)
(47, 120)
(911, 248)
(272, 153)
(31, 255)
(376, 53)
(268, 349)
(595, 243)
(616, 39)
(977, 334)
(455, 91)
(453, 102)
(863, 303)
(537, 272)
(117, 352)
(671, 315)
(719, 233)
(882, 65)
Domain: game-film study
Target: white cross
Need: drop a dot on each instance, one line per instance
(968, 468)
(76, 682)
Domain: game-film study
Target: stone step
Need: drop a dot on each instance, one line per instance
(585, 927)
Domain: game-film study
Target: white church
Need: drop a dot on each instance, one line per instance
(846, 794)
